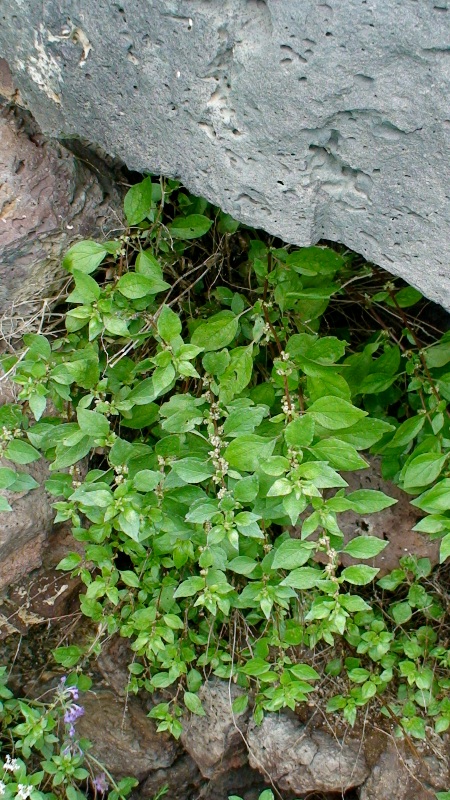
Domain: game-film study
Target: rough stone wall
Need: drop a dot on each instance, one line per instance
(319, 119)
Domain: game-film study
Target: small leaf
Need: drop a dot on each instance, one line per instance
(138, 201)
(134, 286)
(84, 256)
(70, 562)
(246, 452)
(92, 423)
(334, 413)
(240, 704)
(304, 672)
(359, 575)
(292, 553)
(190, 227)
(300, 432)
(303, 578)
(146, 480)
(423, 470)
(189, 587)
(368, 501)
(365, 547)
(217, 332)
(444, 552)
(193, 470)
(130, 578)
(169, 324)
(21, 452)
(193, 704)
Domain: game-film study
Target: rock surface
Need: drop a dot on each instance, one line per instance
(312, 120)
(399, 774)
(300, 760)
(124, 738)
(225, 746)
(48, 200)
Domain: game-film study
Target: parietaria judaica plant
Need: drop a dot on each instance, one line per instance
(218, 418)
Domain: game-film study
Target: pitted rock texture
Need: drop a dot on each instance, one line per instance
(216, 741)
(300, 760)
(325, 119)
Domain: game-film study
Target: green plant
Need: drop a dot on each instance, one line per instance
(266, 794)
(216, 417)
(49, 760)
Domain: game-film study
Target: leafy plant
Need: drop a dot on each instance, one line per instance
(49, 759)
(218, 420)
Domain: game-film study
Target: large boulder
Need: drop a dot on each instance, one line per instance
(312, 120)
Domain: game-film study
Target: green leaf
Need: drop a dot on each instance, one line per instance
(4, 505)
(444, 552)
(359, 575)
(21, 452)
(365, 433)
(84, 256)
(340, 455)
(189, 587)
(7, 477)
(406, 432)
(67, 656)
(169, 324)
(193, 470)
(190, 227)
(193, 704)
(130, 578)
(134, 286)
(66, 456)
(304, 672)
(334, 413)
(365, 547)
(438, 355)
(243, 565)
(146, 480)
(92, 423)
(406, 297)
(300, 432)
(138, 201)
(244, 420)
(246, 452)
(239, 704)
(368, 501)
(70, 562)
(87, 289)
(217, 332)
(423, 470)
(292, 553)
(401, 612)
(303, 578)
(436, 499)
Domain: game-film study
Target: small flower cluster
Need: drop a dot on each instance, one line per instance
(23, 790)
(73, 711)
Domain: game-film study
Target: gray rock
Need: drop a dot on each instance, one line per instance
(215, 741)
(301, 760)
(124, 739)
(311, 120)
(399, 773)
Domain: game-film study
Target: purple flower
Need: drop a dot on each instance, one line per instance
(100, 783)
(73, 691)
(73, 713)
